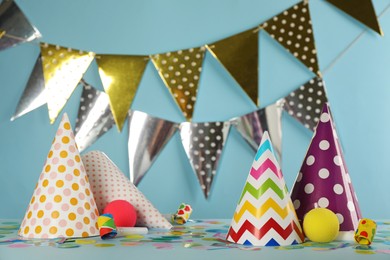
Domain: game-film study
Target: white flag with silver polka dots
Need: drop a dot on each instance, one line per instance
(305, 103)
(203, 144)
(94, 117)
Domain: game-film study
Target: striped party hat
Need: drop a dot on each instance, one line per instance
(265, 215)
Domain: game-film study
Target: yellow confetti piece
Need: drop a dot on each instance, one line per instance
(365, 252)
(85, 241)
(134, 237)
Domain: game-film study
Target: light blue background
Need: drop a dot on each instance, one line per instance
(358, 88)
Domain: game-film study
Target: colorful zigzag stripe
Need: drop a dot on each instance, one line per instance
(265, 214)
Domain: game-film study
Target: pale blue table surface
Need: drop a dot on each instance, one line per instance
(197, 239)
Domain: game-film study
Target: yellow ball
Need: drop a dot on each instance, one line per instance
(321, 225)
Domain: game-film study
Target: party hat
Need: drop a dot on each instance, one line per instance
(108, 183)
(62, 204)
(265, 215)
(323, 180)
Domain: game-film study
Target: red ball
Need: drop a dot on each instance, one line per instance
(123, 212)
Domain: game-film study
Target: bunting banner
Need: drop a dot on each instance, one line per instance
(203, 144)
(293, 29)
(180, 72)
(14, 26)
(362, 10)
(58, 71)
(253, 125)
(94, 117)
(239, 55)
(34, 94)
(63, 69)
(147, 137)
(121, 75)
(305, 103)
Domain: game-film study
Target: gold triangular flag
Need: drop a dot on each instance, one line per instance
(293, 29)
(121, 75)
(180, 72)
(363, 11)
(63, 69)
(2, 33)
(239, 55)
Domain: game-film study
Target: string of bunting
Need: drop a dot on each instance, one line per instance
(203, 142)
(180, 71)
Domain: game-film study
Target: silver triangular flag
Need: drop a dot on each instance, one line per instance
(15, 25)
(147, 137)
(253, 125)
(34, 94)
(203, 144)
(306, 102)
(94, 117)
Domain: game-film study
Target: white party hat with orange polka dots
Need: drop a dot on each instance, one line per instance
(323, 180)
(62, 204)
(108, 183)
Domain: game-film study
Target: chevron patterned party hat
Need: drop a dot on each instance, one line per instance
(265, 215)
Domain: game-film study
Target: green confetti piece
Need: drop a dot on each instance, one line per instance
(190, 245)
(291, 247)
(5, 232)
(68, 245)
(11, 223)
(9, 227)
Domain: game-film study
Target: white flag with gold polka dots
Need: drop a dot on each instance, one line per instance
(180, 72)
(63, 69)
(62, 204)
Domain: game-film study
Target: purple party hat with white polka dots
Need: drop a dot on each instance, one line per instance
(323, 180)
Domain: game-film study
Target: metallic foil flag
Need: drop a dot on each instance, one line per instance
(293, 29)
(63, 69)
(121, 75)
(34, 94)
(203, 144)
(147, 137)
(253, 125)
(239, 55)
(180, 72)
(265, 215)
(94, 117)
(305, 103)
(362, 10)
(324, 181)
(14, 26)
